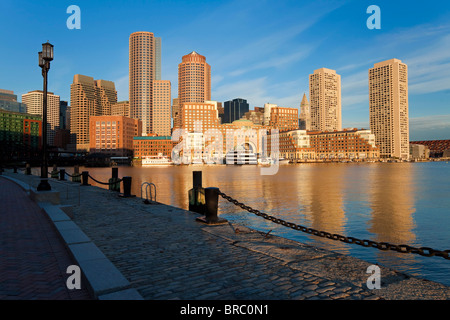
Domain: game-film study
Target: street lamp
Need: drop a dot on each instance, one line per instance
(45, 56)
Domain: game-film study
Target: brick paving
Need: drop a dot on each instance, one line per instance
(167, 255)
(33, 259)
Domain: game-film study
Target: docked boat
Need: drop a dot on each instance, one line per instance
(156, 160)
(241, 157)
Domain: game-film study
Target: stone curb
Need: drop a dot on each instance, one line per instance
(104, 280)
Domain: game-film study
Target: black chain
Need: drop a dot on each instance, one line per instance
(385, 246)
(73, 176)
(106, 183)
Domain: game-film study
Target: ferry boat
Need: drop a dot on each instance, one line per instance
(241, 157)
(156, 160)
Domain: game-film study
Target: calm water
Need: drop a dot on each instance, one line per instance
(400, 203)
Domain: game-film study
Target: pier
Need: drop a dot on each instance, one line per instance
(159, 252)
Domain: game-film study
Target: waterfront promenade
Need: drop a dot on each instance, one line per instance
(165, 254)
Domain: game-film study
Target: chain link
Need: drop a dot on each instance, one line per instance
(384, 246)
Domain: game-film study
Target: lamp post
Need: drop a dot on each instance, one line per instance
(44, 62)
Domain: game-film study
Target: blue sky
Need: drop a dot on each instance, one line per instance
(262, 51)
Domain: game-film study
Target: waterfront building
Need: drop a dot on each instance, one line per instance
(8, 101)
(34, 102)
(234, 110)
(121, 108)
(437, 147)
(20, 135)
(283, 119)
(267, 112)
(62, 138)
(348, 144)
(388, 103)
(304, 120)
(419, 151)
(325, 100)
(291, 145)
(113, 135)
(204, 115)
(194, 79)
(88, 97)
(145, 82)
(161, 124)
(152, 146)
(221, 111)
(256, 116)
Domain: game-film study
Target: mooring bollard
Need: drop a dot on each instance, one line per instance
(1, 170)
(15, 169)
(126, 188)
(85, 178)
(54, 173)
(114, 183)
(76, 173)
(212, 207)
(197, 194)
(115, 172)
(62, 174)
(28, 169)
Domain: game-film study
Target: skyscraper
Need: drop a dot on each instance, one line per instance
(194, 79)
(34, 103)
(388, 103)
(88, 97)
(234, 110)
(144, 68)
(304, 122)
(161, 108)
(325, 100)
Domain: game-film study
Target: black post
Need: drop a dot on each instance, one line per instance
(62, 174)
(85, 178)
(211, 207)
(114, 172)
(197, 179)
(27, 169)
(44, 185)
(197, 194)
(15, 169)
(126, 188)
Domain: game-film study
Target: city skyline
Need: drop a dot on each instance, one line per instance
(272, 63)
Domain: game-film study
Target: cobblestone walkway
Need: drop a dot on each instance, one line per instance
(166, 254)
(33, 260)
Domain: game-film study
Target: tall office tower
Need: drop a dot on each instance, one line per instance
(88, 97)
(176, 113)
(144, 68)
(194, 79)
(304, 120)
(121, 108)
(388, 103)
(34, 102)
(161, 108)
(107, 94)
(8, 101)
(325, 100)
(157, 58)
(62, 114)
(234, 110)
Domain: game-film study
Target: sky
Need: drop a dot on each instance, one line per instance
(262, 51)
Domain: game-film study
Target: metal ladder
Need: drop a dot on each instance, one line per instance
(147, 186)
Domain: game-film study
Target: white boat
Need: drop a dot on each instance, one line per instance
(156, 160)
(264, 162)
(241, 157)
